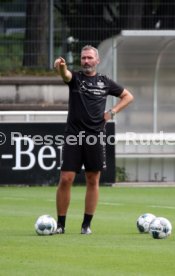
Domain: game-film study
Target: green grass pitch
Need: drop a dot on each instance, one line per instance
(114, 248)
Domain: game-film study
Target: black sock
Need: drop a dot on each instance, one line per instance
(61, 221)
(87, 220)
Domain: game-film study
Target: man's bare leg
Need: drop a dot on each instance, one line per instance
(63, 196)
(91, 199)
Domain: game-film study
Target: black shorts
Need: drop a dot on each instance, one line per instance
(89, 153)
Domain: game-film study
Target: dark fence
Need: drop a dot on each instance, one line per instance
(34, 32)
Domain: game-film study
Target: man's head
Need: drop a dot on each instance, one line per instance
(89, 60)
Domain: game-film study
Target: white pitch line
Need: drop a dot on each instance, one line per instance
(102, 203)
(110, 203)
(160, 206)
(13, 198)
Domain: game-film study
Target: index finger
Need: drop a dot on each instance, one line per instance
(59, 61)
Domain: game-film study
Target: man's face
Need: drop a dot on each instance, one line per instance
(89, 61)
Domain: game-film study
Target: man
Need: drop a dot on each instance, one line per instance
(88, 91)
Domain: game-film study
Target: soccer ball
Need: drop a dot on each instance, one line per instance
(160, 228)
(45, 225)
(144, 221)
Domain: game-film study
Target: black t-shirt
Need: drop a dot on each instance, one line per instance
(87, 101)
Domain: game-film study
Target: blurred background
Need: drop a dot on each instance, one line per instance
(136, 42)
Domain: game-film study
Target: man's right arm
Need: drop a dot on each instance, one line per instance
(61, 67)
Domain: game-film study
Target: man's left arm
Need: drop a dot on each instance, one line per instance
(125, 99)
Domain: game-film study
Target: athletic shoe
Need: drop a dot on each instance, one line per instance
(86, 230)
(60, 230)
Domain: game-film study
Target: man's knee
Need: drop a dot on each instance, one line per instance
(66, 178)
(92, 178)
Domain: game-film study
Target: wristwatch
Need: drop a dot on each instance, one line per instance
(112, 113)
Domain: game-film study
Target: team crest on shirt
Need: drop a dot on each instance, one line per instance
(100, 84)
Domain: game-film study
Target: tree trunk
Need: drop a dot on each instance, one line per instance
(134, 15)
(36, 35)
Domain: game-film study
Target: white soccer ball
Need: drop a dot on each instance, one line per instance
(160, 228)
(45, 225)
(144, 221)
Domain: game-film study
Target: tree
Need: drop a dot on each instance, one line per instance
(131, 13)
(165, 15)
(36, 34)
(159, 15)
(90, 21)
